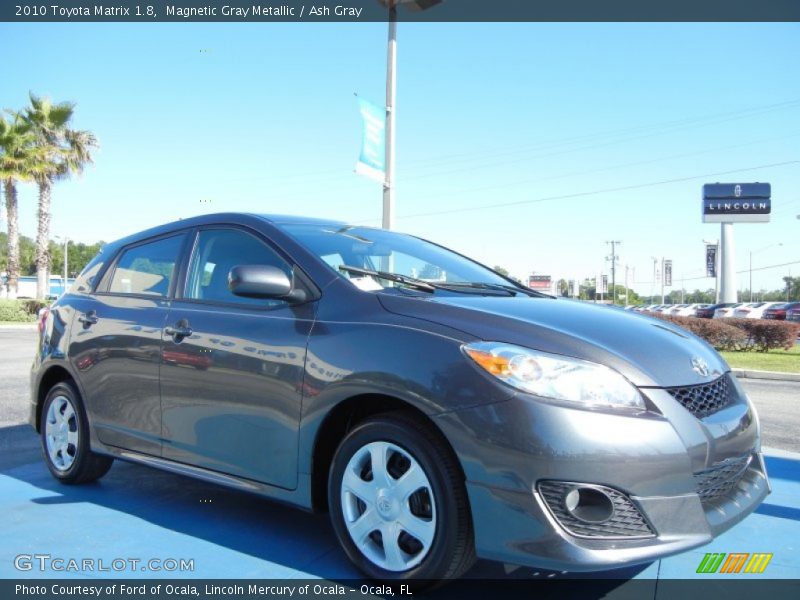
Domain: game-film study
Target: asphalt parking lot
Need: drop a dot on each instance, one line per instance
(138, 512)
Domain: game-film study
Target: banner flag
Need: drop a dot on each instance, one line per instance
(371, 161)
(668, 273)
(711, 260)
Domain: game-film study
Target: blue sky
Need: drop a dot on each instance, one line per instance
(196, 118)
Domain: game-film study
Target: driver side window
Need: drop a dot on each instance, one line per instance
(216, 252)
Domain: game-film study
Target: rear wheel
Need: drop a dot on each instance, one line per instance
(65, 438)
(398, 503)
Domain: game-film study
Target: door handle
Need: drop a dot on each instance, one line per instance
(88, 319)
(178, 331)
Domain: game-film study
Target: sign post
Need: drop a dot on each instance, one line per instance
(729, 203)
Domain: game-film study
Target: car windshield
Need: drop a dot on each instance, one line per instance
(347, 250)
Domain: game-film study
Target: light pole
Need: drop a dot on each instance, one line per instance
(387, 221)
(751, 263)
(66, 258)
(613, 259)
(391, 84)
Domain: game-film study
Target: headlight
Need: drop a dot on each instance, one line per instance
(553, 376)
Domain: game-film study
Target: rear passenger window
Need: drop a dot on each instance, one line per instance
(147, 268)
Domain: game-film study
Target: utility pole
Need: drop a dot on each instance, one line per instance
(613, 259)
(662, 281)
(391, 81)
(627, 295)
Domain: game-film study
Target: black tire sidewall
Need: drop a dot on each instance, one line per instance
(83, 451)
(386, 429)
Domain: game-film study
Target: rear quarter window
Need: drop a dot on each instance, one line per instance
(85, 282)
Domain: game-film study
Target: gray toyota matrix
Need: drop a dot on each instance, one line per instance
(438, 410)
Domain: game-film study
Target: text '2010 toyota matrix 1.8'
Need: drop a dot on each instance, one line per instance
(436, 409)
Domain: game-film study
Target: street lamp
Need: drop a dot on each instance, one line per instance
(391, 84)
(751, 263)
(66, 258)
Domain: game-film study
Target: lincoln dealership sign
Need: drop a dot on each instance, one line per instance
(736, 202)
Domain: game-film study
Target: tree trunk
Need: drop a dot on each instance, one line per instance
(43, 240)
(13, 237)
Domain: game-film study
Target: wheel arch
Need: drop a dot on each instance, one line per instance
(341, 419)
(54, 374)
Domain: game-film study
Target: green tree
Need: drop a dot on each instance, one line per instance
(67, 152)
(501, 270)
(18, 162)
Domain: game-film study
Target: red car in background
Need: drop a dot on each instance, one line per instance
(780, 311)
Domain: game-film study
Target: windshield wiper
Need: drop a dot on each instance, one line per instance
(476, 286)
(502, 287)
(428, 286)
(410, 281)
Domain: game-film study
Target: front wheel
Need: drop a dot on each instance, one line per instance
(65, 438)
(398, 503)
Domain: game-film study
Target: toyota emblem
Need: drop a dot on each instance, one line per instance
(700, 366)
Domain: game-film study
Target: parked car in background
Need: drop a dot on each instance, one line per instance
(779, 311)
(754, 310)
(793, 314)
(727, 312)
(673, 310)
(687, 310)
(435, 421)
(707, 310)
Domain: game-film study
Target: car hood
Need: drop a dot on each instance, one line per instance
(649, 352)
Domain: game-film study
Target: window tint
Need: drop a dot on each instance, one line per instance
(147, 268)
(219, 250)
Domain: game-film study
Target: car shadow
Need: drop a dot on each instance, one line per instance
(302, 544)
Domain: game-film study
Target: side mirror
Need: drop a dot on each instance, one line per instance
(263, 281)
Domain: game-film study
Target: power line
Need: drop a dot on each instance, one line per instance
(726, 116)
(787, 264)
(595, 192)
(567, 151)
(308, 178)
(603, 169)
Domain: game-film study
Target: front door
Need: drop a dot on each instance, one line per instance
(232, 367)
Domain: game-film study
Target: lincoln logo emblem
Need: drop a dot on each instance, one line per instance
(737, 191)
(700, 366)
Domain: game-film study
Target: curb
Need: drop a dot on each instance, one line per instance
(18, 326)
(771, 375)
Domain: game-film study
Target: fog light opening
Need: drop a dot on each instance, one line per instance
(588, 505)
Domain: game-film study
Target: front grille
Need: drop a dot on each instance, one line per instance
(706, 399)
(626, 522)
(721, 478)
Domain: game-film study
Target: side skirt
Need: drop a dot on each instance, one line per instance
(299, 497)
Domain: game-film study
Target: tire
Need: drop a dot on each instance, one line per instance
(427, 516)
(65, 438)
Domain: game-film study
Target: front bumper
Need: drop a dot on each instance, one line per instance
(506, 449)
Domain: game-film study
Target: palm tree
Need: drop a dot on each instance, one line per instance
(18, 162)
(68, 151)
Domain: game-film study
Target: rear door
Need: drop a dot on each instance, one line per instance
(115, 345)
(232, 367)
